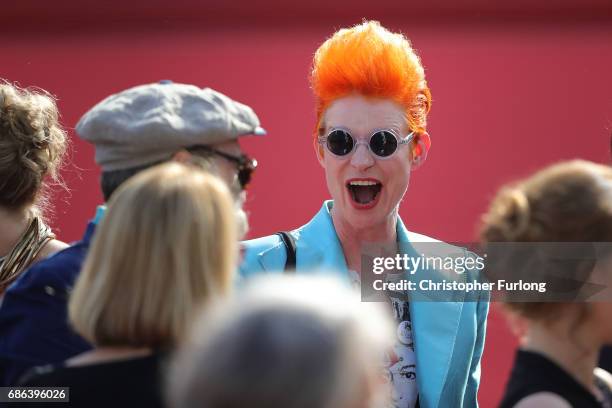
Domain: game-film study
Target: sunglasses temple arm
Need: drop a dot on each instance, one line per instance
(409, 138)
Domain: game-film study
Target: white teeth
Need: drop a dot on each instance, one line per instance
(363, 183)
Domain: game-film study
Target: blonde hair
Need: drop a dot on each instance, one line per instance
(167, 243)
(32, 144)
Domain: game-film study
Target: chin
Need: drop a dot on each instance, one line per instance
(362, 219)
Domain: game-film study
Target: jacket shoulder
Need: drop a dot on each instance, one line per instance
(415, 237)
(439, 247)
(261, 255)
(434, 247)
(262, 243)
(58, 271)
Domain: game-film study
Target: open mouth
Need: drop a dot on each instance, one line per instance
(364, 192)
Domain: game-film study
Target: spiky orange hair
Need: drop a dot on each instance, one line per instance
(372, 61)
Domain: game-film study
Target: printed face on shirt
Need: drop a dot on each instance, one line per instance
(402, 376)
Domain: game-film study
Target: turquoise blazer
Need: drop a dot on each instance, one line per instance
(448, 336)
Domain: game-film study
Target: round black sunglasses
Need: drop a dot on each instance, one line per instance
(382, 143)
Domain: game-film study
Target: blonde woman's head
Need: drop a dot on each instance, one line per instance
(167, 243)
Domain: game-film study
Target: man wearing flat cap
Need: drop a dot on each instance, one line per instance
(131, 131)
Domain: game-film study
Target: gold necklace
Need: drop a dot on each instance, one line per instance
(21, 256)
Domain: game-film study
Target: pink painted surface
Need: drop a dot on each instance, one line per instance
(511, 94)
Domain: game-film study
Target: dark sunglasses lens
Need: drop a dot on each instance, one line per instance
(244, 177)
(340, 142)
(383, 143)
(245, 172)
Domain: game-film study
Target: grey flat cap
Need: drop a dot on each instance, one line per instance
(149, 123)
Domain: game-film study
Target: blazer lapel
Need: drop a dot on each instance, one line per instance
(435, 327)
(318, 246)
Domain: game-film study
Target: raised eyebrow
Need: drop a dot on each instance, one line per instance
(397, 130)
(332, 128)
(393, 129)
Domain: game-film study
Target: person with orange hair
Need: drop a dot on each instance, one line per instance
(372, 102)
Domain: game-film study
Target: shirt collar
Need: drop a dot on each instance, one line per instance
(100, 211)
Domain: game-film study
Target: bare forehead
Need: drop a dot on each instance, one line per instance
(362, 114)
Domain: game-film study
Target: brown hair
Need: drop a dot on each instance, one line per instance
(566, 202)
(32, 144)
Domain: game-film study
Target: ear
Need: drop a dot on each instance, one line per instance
(319, 151)
(420, 150)
(182, 156)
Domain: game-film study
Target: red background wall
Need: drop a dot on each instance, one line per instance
(515, 87)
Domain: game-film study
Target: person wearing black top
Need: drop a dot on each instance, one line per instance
(132, 382)
(535, 373)
(138, 294)
(566, 204)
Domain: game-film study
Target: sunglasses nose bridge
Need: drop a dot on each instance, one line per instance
(362, 156)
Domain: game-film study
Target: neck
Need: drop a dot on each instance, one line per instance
(13, 223)
(572, 348)
(106, 354)
(352, 238)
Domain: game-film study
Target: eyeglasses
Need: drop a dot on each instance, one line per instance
(245, 165)
(382, 143)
